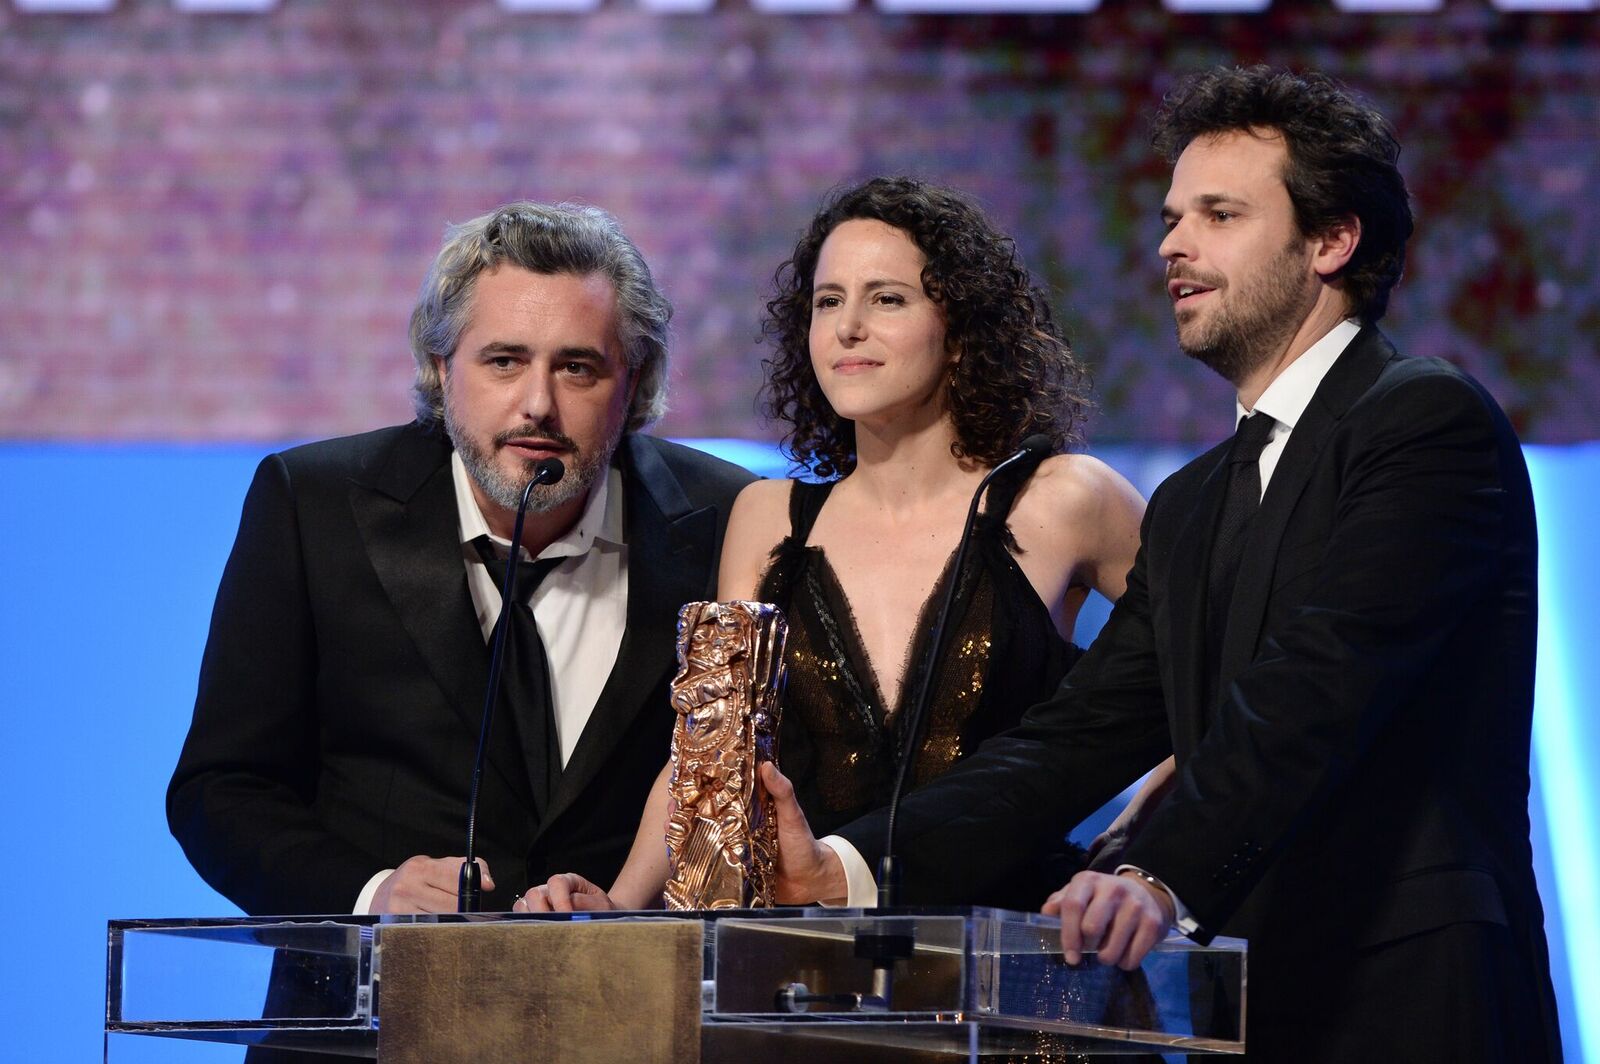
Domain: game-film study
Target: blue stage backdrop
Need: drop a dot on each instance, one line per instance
(113, 557)
(214, 225)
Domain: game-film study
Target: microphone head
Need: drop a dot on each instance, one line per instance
(550, 470)
(1037, 444)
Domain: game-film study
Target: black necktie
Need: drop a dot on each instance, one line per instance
(1233, 527)
(525, 677)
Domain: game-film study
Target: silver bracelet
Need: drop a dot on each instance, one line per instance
(1187, 926)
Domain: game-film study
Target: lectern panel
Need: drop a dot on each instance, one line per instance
(810, 985)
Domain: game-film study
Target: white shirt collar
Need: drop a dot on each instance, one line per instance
(1287, 397)
(601, 520)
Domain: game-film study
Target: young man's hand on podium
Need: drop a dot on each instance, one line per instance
(808, 871)
(1119, 917)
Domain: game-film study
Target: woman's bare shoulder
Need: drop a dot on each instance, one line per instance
(1074, 489)
(1085, 516)
(758, 520)
(762, 504)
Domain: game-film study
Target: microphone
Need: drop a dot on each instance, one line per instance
(896, 940)
(1036, 446)
(469, 888)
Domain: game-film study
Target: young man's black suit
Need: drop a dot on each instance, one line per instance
(1355, 801)
(343, 682)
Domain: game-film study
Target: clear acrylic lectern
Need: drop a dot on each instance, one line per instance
(774, 985)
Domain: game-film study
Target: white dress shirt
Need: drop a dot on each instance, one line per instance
(581, 606)
(1290, 392)
(1285, 400)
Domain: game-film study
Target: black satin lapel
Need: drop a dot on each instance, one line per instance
(415, 548)
(669, 563)
(1247, 610)
(1350, 376)
(1191, 555)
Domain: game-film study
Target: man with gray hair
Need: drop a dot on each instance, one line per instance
(331, 754)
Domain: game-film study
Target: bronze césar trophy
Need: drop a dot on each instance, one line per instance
(722, 835)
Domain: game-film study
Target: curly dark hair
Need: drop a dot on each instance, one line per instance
(1343, 161)
(1017, 375)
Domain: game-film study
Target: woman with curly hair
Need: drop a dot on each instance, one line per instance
(912, 354)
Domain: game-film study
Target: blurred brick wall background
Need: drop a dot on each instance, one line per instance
(212, 226)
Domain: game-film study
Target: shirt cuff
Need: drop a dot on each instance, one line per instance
(862, 887)
(1183, 921)
(368, 892)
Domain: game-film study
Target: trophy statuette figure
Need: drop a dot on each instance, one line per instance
(722, 842)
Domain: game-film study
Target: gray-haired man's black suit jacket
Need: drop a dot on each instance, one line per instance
(343, 682)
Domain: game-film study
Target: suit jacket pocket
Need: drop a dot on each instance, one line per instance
(1431, 899)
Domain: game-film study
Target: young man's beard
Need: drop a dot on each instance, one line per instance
(1239, 338)
(582, 467)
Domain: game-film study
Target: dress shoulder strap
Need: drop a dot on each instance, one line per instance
(805, 502)
(789, 555)
(1007, 486)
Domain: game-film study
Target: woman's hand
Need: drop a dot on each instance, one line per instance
(564, 892)
(1138, 810)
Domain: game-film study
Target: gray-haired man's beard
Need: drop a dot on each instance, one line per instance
(583, 467)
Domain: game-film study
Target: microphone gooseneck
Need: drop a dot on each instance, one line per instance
(469, 888)
(1035, 446)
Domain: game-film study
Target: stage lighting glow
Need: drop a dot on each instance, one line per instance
(1564, 737)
